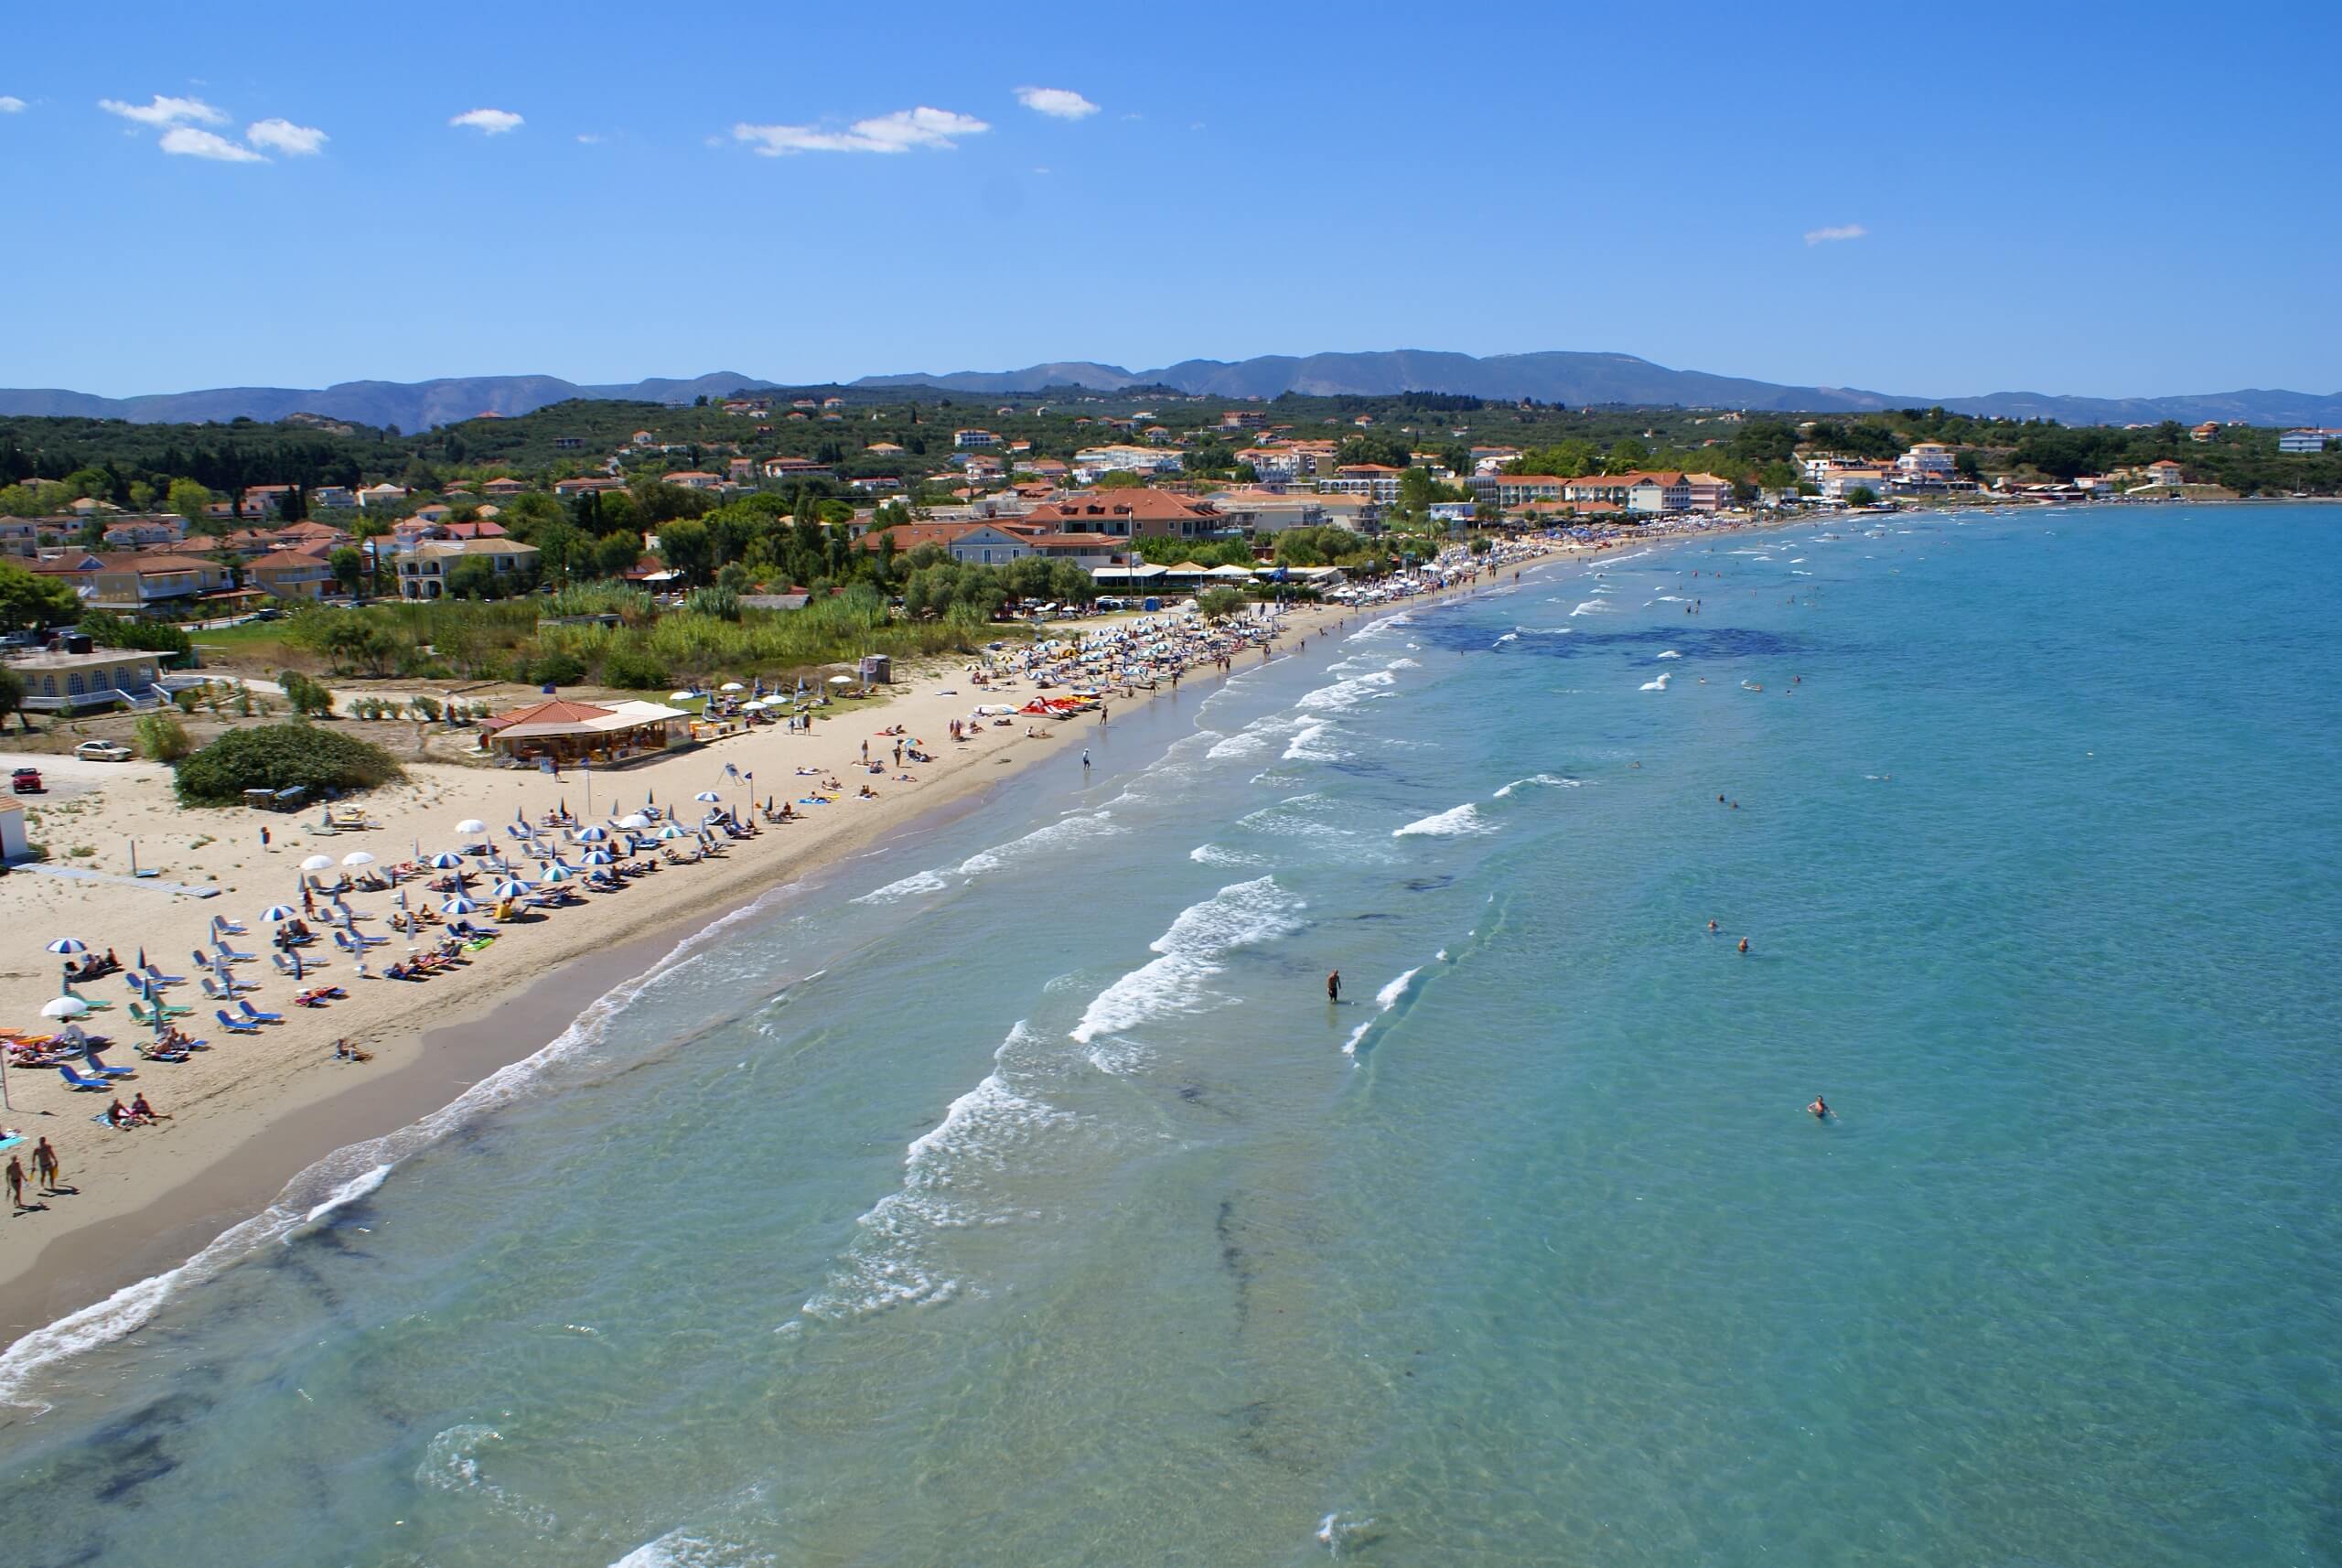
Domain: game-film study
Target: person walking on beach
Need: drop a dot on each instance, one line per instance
(44, 1165)
(16, 1184)
(1333, 987)
(1085, 759)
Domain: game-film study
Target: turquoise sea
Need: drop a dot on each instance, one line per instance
(1013, 1195)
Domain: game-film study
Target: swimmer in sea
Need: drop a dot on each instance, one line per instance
(1744, 944)
(1820, 1109)
(1712, 928)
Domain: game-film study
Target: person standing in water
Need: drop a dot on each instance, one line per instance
(1820, 1109)
(1333, 987)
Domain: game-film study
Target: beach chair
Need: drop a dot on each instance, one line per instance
(258, 1015)
(235, 1026)
(223, 927)
(222, 949)
(158, 1015)
(92, 1003)
(93, 1066)
(75, 1080)
(225, 990)
(150, 975)
(295, 967)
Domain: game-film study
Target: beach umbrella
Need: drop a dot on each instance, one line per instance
(841, 680)
(460, 905)
(68, 945)
(672, 832)
(511, 888)
(317, 862)
(357, 857)
(679, 696)
(634, 821)
(471, 825)
(706, 796)
(277, 914)
(598, 857)
(556, 872)
(731, 686)
(444, 861)
(65, 1007)
(755, 705)
(594, 834)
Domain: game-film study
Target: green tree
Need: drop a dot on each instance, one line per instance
(1625, 456)
(348, 564)
(1218, 604)
(189, 501)
(12, 697)
(30, 602)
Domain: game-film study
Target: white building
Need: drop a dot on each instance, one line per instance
(1927, 457)
(2306, 442)
(967, 438)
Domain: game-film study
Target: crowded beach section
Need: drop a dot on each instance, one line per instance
(174, 1038)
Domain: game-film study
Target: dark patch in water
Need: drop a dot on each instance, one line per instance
(1358, 917)
(1232, 1258)
(1426, 884)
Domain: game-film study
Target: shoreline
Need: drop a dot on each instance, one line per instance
(65, 1297)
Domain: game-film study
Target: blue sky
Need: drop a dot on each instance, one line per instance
(2100, 199)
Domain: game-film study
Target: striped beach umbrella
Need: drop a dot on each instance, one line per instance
(444, 861)
(68, 945)
(511, 888)
(458, 905)
(277, 914)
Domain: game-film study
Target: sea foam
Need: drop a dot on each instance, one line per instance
(1453, 823)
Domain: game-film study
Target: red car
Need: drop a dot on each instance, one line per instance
(26, 782)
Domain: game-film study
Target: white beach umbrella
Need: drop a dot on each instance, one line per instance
(680, 697)
(841, 680)
(460, 905)
(636, 821)
(65, 1007)
(357, 857)
(471, 825)
(277, 914)
(68, 945)
(317, 862)
(731, 686)
(755, 705)
(512, 888)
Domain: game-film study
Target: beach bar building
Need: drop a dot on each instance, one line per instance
(571, 732)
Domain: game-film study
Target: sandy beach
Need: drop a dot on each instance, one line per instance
(254, 1110)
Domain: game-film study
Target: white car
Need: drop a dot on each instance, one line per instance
(103, 751)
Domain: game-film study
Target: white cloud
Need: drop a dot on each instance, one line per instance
(588, 139)
(11, 105)
(491, 122)
(164, 110)
(1835, 231)
(188, 141)
(1058, 102)
(897, 132)
(284, 137)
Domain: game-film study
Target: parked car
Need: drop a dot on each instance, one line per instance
(26, 782)
(103, 751)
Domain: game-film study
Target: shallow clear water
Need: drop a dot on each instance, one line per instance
(1014, 1197)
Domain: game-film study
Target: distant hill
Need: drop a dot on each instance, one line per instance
(410, 405)
(1581, 379)
(1576, 380)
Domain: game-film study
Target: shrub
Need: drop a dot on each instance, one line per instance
(633, 669)
(554, 668)
(110, 630)
(162, 737)
(278, 756)
(424, 708)
(307, 697)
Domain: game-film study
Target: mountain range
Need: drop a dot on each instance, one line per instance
(1558, 377)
